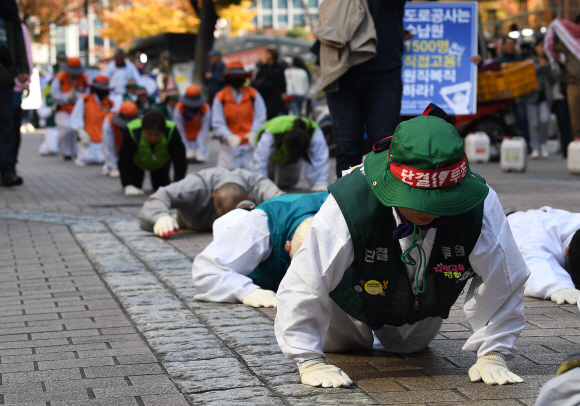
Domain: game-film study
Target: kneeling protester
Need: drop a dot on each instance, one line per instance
(251, 251)
(393, 247)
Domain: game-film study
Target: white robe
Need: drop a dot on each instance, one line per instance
(494, 305)
(316, 171)
(241, 241)
(541, 235)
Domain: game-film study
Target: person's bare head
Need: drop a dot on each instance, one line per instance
(293, 246)
(227, 197)
(119, 57)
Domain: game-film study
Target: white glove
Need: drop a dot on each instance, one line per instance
(200, 157)
(318, 373)
(319, 188)
(233, 140)
(190, 154)
(492, 369)
(114, 173)
(72, 96)
(131, 190)
(165, 226)
(562, 296)
(252, 138)
(84, 136)
(260, 298)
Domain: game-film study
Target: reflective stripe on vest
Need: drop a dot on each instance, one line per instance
(147, 158)
(192, 126)
(116, 130)
(66, 86)
(94, 115)
(238, 117)
(277, 127)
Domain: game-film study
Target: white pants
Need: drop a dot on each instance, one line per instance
(67, 138)
(50, 144)
(346, 333)
(234, 158)
(89, 154)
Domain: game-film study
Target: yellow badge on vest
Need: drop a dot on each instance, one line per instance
(374, 287)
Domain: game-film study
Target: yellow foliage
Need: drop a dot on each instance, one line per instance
(239, 17)
(144, 18)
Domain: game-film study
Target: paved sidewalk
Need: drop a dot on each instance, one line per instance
(97, 312)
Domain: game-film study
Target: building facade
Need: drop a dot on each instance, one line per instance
(284, 14)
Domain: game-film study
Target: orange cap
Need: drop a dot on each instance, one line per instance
(129, 109)
(192, 91)
(101, 80)
(236, 64)
(74, 62)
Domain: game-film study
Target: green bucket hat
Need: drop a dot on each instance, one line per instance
(425, 168)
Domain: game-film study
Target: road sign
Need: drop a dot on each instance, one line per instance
(84, 26)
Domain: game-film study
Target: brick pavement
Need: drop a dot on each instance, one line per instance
(97, 312)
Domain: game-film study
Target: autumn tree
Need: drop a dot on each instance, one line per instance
(145, 18)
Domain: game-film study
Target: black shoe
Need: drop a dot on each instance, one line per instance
(11, 180)
(67, 158)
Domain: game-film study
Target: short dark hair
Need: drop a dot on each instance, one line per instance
(153, 120)
(573, 260)
(297, 140)
(577, 19)
(274, 53)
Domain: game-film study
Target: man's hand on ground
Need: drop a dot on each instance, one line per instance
(165, 226)
(492, 369)
(318, 373)
(260, 298)
(569, 296)
(131, 190)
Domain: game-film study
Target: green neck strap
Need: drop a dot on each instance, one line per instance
(408, 259)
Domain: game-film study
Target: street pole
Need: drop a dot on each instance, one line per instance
(86, 39)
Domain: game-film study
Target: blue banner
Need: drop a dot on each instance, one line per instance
(436, 66)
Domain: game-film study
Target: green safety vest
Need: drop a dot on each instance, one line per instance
(376, 288)
(285, 213)
(280, 125)
(147, 158)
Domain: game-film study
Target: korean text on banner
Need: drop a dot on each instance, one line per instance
(436, 66)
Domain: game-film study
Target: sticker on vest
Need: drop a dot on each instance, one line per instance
(450, 271)
(381, 254)
(459, 251)
(466, 275)
(374, 288)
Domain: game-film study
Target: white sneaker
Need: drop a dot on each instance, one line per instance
(190, 154)
(30, 128)
(114, 173)
(544, 151)
(200, 158)
(23, 129)
(535, 153)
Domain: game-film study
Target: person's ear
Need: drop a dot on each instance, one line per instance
(566, 250)
(288, 248)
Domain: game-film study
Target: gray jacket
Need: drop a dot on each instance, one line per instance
(192, 197)
(547, 79)
(347, 36)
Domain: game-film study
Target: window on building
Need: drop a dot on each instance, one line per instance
(297, 3)
(298, 19)
(282, 18)
(267, 4)
(313, 3)
(282, 4)
(267, 20)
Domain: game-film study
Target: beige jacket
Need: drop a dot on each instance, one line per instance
(347, 36)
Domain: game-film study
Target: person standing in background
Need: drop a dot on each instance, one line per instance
(539, 102)
(297, 85)
(120, 71)
(362, 79)
(13, 64)
(271, 83)
(192, 116)
(19, 88)
(213, 77)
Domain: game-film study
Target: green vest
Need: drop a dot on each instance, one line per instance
(376, 289)
(147, 158)
(285, 213)
(280, 125)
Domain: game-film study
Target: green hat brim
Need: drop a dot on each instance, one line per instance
(446, 201)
